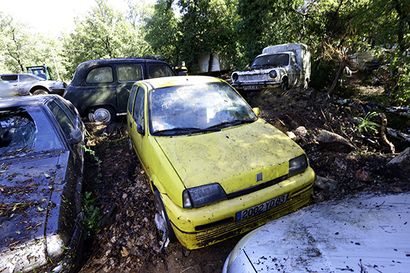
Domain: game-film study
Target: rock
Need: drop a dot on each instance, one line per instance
(326, 184)
(334, 142)
(363, 175)
(401, 162)
(301, 131)
(291, 135)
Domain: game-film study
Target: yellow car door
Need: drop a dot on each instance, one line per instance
(138, 126)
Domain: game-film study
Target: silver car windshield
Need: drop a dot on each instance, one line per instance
(180, 110)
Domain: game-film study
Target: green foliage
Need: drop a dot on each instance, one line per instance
(267, 22)
(92, 213)
(235, 30)
(103, 33)
(366, 125)
(162, 31)
(19, 48)
(402, 92)
(207, 27)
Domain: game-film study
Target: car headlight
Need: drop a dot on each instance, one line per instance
(298, 165)
(273, 74)
(203, 195)
(235, 77)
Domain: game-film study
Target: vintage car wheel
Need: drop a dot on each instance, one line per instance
(40, 92)
(101, 114)
(161, 220)
(285, 84)
(306, 84)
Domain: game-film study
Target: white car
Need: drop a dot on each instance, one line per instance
(7, 90)
(367, 233)
(25, 84)
(285, 65)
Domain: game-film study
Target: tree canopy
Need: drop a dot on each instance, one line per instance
(235, 30)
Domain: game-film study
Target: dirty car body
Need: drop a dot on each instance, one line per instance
(365, 233)
(100, 88)
(216, 168)
(25, 84)
(41, 163)
(286, 65)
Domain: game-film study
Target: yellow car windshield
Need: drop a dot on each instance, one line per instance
(188, 109)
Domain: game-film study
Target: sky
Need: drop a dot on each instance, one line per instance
(51, 17)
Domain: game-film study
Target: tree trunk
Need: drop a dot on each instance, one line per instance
(339, 72)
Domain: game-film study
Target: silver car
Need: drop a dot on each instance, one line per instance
(7, 90)
(367, 233)
(25, 84)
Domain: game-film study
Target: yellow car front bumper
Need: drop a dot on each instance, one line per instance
(196, 228)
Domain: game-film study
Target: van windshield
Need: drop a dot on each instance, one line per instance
(272, 60)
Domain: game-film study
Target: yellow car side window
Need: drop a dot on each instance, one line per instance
(139, 107)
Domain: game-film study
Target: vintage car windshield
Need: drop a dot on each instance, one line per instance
(180, 110)
(273, 60)
(25, 131)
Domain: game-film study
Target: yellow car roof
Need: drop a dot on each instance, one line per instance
(179, 81)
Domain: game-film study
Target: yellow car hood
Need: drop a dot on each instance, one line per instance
(233, 157)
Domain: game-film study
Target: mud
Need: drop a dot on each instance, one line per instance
(127, 240)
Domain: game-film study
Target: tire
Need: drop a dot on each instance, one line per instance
(285, 84)
(103, 114)
(39, 91)
(162, 221)
(306, 84)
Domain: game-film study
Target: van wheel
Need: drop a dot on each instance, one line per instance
(101, 114)
(306, 84)
(39, 92)
(162, 222)
(285, 84)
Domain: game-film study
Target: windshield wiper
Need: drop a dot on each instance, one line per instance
(183, 131)
(230, 123)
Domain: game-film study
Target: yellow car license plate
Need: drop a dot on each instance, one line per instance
(261, 208)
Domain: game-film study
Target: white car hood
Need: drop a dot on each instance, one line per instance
(260, 71)
(364, 234)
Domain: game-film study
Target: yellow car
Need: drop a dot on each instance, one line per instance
(215, 168)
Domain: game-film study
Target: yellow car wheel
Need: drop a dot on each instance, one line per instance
(162, 221)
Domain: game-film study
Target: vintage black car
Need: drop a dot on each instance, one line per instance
(100, 88)
(41, 166)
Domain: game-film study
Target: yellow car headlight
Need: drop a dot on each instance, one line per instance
(298, 165)
(203, 195)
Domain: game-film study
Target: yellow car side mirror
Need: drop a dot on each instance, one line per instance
(257, 111)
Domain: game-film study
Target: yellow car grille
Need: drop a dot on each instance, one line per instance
(229, 228)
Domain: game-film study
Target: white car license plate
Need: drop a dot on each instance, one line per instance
(251, 87)
(261, 208)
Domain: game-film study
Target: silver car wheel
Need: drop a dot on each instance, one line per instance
(100, 115)
(40, 92)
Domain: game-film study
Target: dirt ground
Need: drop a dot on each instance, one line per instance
(127, 241)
